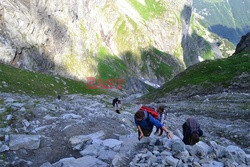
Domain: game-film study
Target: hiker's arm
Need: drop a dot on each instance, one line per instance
(155, 122)
(169, 134)
(158, 124)
(140, 132)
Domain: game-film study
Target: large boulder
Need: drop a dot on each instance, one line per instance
(117, 160)
(171, 161)
(46, 164)
(106, 155)
(217, 149)
(177, 145)
(178, 134)
(182, 155)
(87, 161)
(91, 150)
(236, 153)
(112, 143)
(4, 148)
(79, 141)
(30, 142)
(200, 149)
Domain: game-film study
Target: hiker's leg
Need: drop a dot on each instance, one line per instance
(161, 131)
(147, 132)
(156, 132)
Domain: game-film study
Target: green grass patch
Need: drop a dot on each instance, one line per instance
(39, 84)
(110, 66)
(151, 9)
(1, 101)
(164, 70)
(2, 156)
(207, 52)
(122, 40)
(127, 36)
(160, 68)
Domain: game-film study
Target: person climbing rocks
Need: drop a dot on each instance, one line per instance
(191, 131)
(145, 123)
(118, 106)
(161, 118)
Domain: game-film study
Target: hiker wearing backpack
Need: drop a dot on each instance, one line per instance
(115, 103)
(118, 106)
(191, 131)
(145, 121)
(161, 118)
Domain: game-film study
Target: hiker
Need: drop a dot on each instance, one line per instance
(145, 122)
(118, 106)
(115, 103)
(161, 118)
(191, 131)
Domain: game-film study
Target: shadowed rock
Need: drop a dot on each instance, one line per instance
(244, 44)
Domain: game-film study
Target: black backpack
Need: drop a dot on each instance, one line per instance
(114, 101)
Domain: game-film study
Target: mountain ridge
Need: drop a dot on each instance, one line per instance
(210, 77)
(226, 18)
(69, 39)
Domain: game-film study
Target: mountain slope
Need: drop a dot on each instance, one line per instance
(104, 39)
(227, 18)
(14, 80)
(209, 77)
(70, 39)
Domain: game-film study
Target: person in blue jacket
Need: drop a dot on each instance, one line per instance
(145, 123)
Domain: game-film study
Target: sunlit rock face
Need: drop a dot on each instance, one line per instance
(102, 38)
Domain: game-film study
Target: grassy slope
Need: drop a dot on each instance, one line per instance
(160, 69)
(38, 84)
(220, 71)
(152, 8)
(110, 66)
(200, 32)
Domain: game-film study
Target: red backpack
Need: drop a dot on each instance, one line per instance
(150, 111)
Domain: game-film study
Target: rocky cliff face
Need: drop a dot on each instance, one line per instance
(244, 44)
(103, 38)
